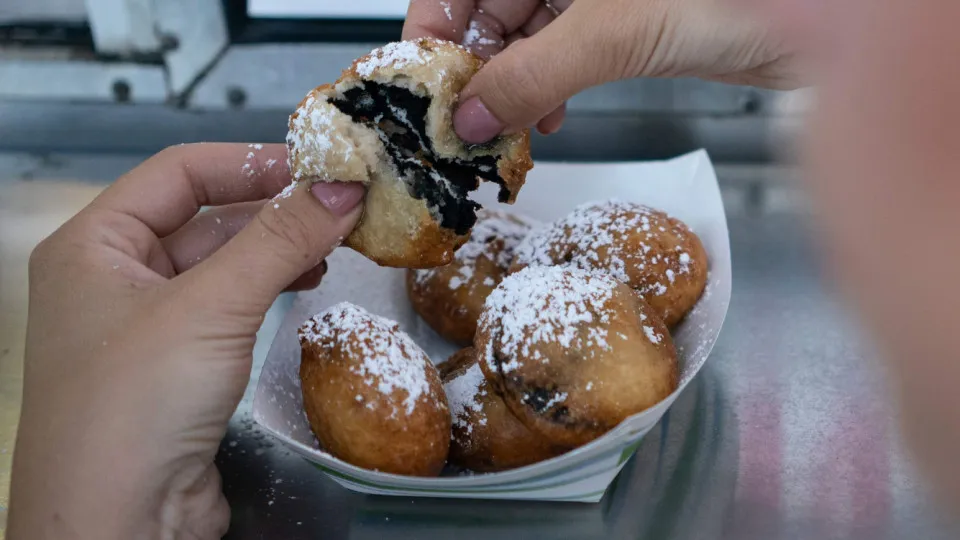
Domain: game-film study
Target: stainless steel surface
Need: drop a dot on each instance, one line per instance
(393, 9)
(197, 33)
(274, 76)
(42, 10)
(81, 81)
(123, 27)
(39, 127)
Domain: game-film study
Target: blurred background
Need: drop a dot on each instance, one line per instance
(788, 432)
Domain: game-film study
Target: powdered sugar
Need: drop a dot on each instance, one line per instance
(463, 397)
(542, 305)
(287, 191)
(446, 10)
(654, 337)
(309, 135)
(383, 356)
(398, 55)
(476, 35)
(495, 237)
(604, 236)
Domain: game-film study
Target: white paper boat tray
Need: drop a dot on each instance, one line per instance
(686, 187)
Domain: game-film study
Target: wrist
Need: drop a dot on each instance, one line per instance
(93, 476)
(75, 497)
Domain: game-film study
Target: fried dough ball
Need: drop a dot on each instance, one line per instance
(655, 254)
(388, 123)
(450, 298)
(572, 353)
(486, 437)
(372, 396)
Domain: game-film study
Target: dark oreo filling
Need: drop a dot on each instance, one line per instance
(539, 397)
(400, 119)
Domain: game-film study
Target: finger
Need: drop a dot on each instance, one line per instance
(210, 230)
(557, 6)
(513, 38)
(493, 21)
(168, 189)
(206, 233)
(310, 279)
(507, 15)
(534, 76)
(441, 19)
(287, 238)
(552, 122)
(541, 17)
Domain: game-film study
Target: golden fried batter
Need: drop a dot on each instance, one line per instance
(450, 298)
(573, 354)
(487, 437)
(653, 253)
(372, 396)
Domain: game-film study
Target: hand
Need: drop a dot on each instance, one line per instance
(554, 53)
(142, 320)
(486, 27)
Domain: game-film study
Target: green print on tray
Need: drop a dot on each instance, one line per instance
(629, 450)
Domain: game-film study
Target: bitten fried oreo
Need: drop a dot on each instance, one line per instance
(372, 396)
(486, 436)
(572, 353)
(450, 298)
(388, 122)
(655, 254)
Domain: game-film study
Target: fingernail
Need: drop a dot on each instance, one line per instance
(338, 197)
(474, 123)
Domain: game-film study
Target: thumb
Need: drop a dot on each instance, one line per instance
(290, 235)
(532, 77)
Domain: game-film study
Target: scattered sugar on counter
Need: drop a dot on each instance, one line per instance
(390, 360)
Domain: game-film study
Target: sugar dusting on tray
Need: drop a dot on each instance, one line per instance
(546, 305)
(386, 358)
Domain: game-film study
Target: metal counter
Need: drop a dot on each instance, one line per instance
(787, 433)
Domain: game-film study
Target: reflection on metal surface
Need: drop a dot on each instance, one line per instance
(654, 497)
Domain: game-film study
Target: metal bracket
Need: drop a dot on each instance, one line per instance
(188, 34)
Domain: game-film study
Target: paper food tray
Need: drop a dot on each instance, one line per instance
(685, 187)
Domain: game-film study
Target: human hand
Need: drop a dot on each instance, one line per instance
(143, 316)
(552, 50)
